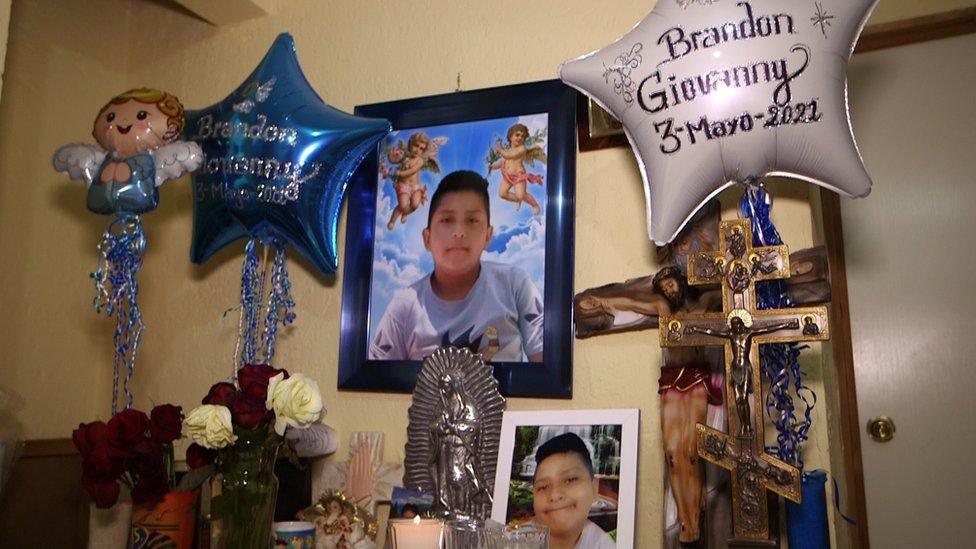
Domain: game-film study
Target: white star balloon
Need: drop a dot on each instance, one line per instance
(715, 92)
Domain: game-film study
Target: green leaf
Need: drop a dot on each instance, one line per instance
(194, 478)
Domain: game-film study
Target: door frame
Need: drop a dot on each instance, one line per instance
(840, 326)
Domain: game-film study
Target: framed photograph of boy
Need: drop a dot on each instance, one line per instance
(574, 471)
(459, 233)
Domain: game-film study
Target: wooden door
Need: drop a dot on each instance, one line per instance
(910, 250)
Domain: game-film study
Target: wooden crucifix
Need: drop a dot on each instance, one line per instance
(737, 266)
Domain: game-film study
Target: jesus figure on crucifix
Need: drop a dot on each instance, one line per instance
(687, 389)
(740, 333)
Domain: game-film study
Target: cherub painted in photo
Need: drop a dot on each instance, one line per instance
(521, 150)
(456, 260)
(403, 166)
(567, 477)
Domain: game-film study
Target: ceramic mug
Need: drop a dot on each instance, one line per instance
(294, 534)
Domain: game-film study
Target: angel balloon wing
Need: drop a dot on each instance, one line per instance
(80, 161)
(176, 159)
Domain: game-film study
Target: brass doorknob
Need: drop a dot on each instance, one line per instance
(881, 429)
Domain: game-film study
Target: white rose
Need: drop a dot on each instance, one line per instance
(210, 426)
(296, 401)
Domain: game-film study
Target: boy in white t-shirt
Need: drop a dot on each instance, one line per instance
(563, 490)
(487, 307)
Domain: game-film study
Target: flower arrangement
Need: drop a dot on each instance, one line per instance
(265, 397)
(237, 432)
(132, 449)
(135, 450)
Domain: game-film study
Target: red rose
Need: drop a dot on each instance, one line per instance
(197, 456)
(149, 489)
(221, 394)
(105, 493)
(253, 380)
(147, 459)
(166, 423)
(103, 463)
(127, 428)
(249, 413)
(89, 435)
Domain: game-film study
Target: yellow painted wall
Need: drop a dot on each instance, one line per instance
(66, 58)
(55, 351)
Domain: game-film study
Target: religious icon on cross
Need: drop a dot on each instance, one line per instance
(740, 334)
(741, 328)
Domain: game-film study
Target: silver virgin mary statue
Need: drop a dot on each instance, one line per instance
(453, 434)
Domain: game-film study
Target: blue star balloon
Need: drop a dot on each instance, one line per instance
(277, 160)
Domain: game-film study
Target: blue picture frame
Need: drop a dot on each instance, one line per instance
(552, 378)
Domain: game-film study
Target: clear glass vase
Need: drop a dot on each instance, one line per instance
(245, 488)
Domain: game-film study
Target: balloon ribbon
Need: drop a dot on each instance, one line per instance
(121, 251)
(779, 361)
(266, 290)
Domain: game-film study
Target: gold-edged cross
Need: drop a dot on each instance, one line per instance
(737, 266)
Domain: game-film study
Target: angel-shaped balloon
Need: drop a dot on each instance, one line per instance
(511, 161)
(419, 154)
(138, 148)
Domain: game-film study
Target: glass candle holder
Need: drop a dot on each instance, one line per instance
(415, 533)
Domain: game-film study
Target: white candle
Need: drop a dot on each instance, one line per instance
(416, 533)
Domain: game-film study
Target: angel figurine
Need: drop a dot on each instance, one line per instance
(138, 148)
(419, 154)
(340, 524)
(515, 180)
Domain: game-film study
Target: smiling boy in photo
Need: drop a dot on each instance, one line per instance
(563, 490)
(487, 307)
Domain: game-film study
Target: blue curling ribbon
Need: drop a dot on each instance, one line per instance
(846, 518)
(280, 302)
(121, 252)
(779, 362)
(256, 343)
(247, 328)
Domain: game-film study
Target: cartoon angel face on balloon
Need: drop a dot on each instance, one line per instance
(138, 149)
(138, 121)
